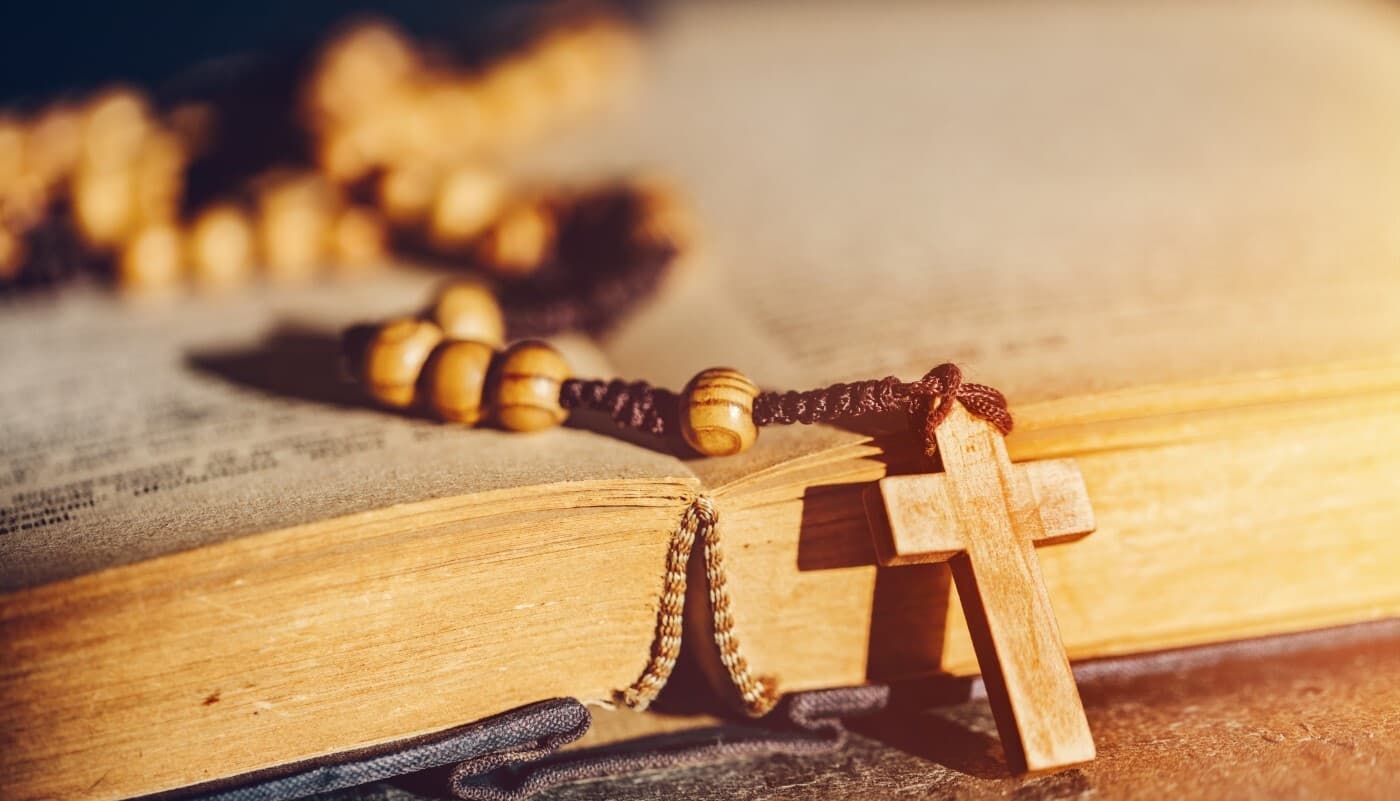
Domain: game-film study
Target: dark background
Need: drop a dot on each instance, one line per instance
(49, 48)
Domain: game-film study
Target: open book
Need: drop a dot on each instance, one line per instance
(1177, 255)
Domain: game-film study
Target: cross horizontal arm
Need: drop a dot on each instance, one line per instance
(921, 522)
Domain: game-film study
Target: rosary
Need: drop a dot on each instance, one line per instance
(449, 362)
(401, 147)
(982, 514)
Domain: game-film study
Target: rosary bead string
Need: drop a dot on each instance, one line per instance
(528, 387)
(404, 142)
(654, 410)
(449, 361)
(635, 404)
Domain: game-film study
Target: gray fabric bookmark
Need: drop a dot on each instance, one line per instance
(511, 756)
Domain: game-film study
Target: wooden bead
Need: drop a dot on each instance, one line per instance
(467, 201)
(220, 247)
(152, 259)
(24, 200)
(294, 220)
(526, 396)
(455, 115)
(394, 359)
(54, 144)
(358, 70)
(103, 205)
(358, 239)
(567, 72)
(114, 124)
(717, 412)
(520, 240)
(454, 380)
(158, 182)
(468, 310)
(514, 103)
(405, 194)
(344, 156)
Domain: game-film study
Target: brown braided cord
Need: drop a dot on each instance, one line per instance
(928, 401)
(638, 405)
(701, 519)
(615, 247)
(634, 404)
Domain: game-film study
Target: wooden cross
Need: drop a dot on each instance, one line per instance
(984, 516)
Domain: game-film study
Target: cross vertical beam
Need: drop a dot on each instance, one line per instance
(983, 516)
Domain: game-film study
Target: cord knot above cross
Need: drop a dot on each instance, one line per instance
(985, 517)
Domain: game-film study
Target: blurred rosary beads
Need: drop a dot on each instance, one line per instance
(404, 147)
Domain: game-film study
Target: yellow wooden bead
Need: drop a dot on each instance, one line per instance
(527, 387)
(24, 202)
(567, 71)
(716, 412)
(358, 239)
(114, 123)
(54, 143)
(394, 359)
(514, 103)
(294, 222)
(406, 193)
(455, 114)
(467, 200)
(152, 259)
(520, 240)
(220, 246)
(359, 69)
(468, 310)
(103, 206)
(454, 380)
(158, 182)
(344, 156)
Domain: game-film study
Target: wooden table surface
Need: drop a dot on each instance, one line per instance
(1312, 716)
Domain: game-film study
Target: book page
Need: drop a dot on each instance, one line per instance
(131, 432)
(1062, 199)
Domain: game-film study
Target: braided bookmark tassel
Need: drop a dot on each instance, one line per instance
(701, 519)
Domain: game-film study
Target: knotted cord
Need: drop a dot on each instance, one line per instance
(638, 405)
(927, 401)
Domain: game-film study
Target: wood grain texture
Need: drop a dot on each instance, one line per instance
(717, 412)
(990, 545)
(337, 635)
(394, 358)
(1184, 512)
(454, 380)
(914, 521)
(469, 310)
(525, 396)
